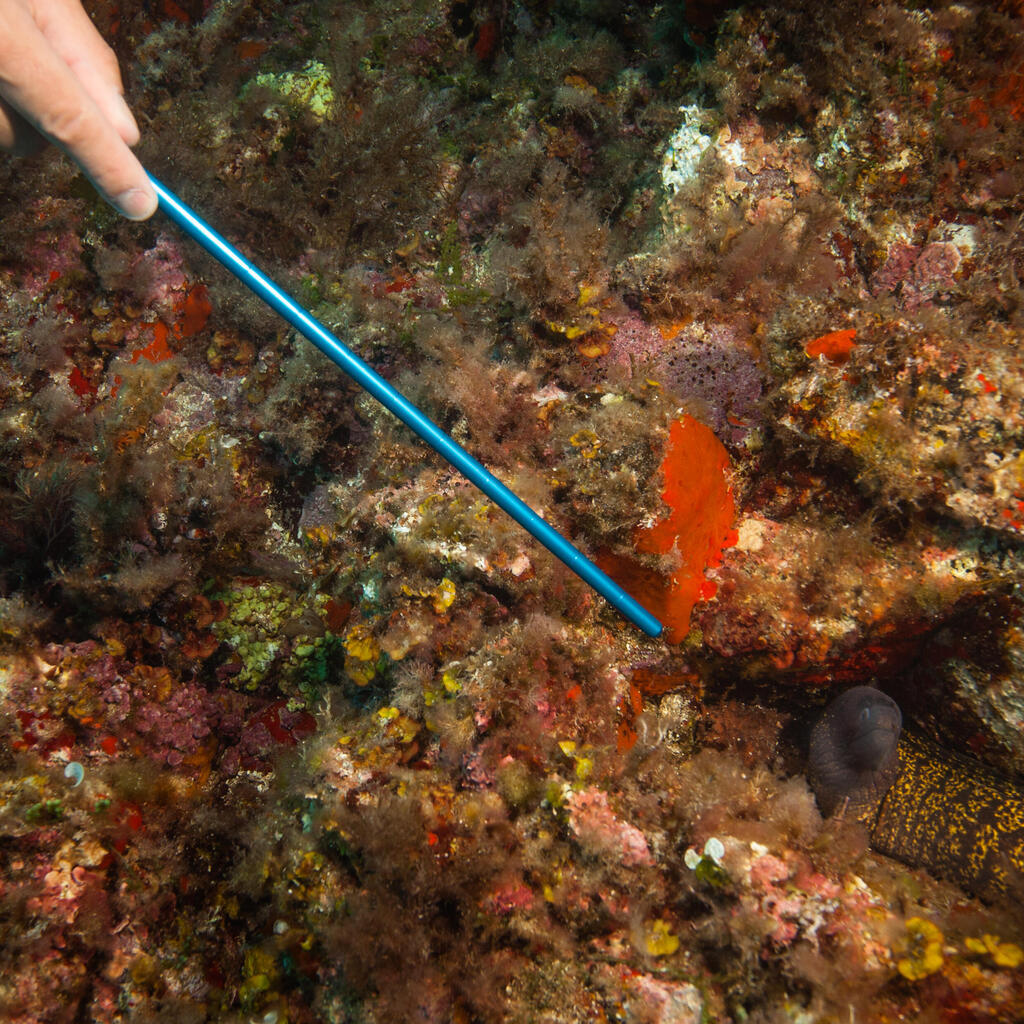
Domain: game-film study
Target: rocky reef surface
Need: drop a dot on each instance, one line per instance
(296, 726)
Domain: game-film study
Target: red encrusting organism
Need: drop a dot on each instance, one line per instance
(81, 385)
(699, 525)
(835, 346)
(157, 350)
(194, 311)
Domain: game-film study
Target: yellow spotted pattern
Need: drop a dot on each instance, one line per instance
(951, 816)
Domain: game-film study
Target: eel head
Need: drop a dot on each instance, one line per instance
(853, 755)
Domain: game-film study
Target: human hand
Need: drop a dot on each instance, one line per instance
(60, 80)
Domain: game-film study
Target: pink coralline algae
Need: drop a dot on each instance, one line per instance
(661, 1001)
(53, 252)
(144, 706)
(601, 833)
(796, 899)
(511, 898)
(918, 274)
(155, 276)
(177, 727)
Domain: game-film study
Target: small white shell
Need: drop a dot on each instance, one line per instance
(714, 849)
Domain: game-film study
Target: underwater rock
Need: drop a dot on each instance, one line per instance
(351, 745)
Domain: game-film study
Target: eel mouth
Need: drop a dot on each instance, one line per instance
(884, 730)
(875, 747)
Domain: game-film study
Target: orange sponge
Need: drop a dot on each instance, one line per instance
(698, 527)
(835, 347)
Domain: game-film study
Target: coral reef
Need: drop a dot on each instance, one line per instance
(298, 727)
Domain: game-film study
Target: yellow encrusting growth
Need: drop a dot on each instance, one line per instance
(659, 938)
(1003, 954)
(924, 950)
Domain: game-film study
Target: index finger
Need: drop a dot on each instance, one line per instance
(35, 81)
(76, 41)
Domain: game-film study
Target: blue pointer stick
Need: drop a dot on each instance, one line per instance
(194, 226)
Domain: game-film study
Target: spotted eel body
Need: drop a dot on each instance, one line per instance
(919, 804)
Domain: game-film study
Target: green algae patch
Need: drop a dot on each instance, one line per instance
(311, 87)
(277, 639)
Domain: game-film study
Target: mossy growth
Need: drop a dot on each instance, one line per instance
(451, 273)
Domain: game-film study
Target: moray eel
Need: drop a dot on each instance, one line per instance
(920, 804)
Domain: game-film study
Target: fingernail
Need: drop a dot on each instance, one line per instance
(136, 203)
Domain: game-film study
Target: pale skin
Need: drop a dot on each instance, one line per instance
(60, 83)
